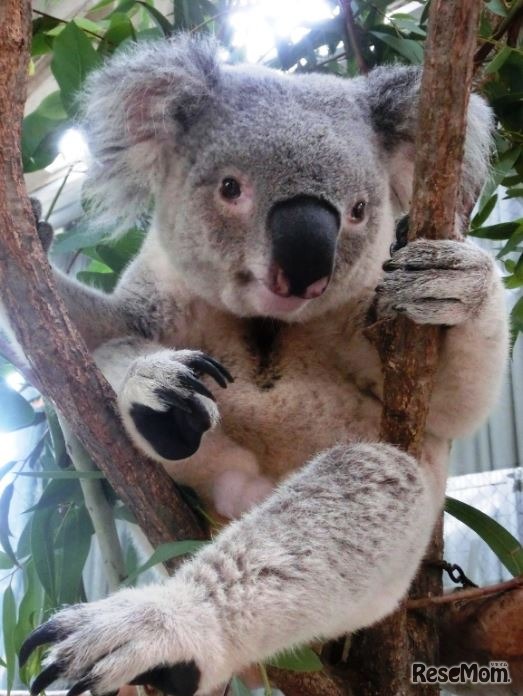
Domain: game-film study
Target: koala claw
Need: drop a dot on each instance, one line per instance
(109, 662)
(436, 282)
(165, 402)
(44, 229)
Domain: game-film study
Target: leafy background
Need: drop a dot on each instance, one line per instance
(43, 565)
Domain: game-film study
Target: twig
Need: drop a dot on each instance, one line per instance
(464, 595)
(504, 26)
(99, 511)
(350, 27)
(65, 21)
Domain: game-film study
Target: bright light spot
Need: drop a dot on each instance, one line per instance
(72, 146)
(15, 380)
(258, 26)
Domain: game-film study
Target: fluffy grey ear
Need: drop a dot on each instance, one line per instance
(133, 109)
(393, 93)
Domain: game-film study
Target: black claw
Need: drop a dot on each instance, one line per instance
(171, 398)
(203, 365)
(402, 234)
(225, 372)
(47, 633)
(81, 686)
(45, 678)
(189, 382)
(181, 679)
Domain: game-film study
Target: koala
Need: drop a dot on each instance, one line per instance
(235, 343)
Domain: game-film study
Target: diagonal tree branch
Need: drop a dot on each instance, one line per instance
(54, 349)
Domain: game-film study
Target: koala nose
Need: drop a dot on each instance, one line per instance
(304, 231)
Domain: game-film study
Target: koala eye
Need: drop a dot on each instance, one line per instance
(230, 188)
(358, 211)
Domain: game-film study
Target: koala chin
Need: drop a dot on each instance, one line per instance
(235, 343)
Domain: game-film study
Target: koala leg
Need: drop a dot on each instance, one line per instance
(333, 549)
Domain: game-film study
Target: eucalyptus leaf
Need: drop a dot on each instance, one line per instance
(75, 541)
(73, 58)
(238, 688)
(8, 627)
(5, 532)
(43, 527)
(15, 411)
(302, 659)
(506, 547)
(166, 552)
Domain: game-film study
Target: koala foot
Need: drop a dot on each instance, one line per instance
(132, 637)
(436, 282)
(166, 406)
(236, 492)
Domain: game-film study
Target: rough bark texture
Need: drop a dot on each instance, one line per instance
(381, 656)
(54, 348)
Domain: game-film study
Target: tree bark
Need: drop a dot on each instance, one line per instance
(381, 656)
(53, 347)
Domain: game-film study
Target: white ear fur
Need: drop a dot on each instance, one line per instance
(132, 110)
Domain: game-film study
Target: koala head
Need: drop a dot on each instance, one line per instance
(274, 194)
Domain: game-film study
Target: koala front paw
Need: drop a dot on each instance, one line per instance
(129, 638)
(436, 281)
(165, 406)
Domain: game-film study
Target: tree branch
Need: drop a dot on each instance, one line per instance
(50, 341)
(409, 353)
(464, 595)
(352, 37)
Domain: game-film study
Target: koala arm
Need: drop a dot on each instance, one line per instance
(332, 550)
(472, 365)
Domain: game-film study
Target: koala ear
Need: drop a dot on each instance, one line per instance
(393, 94)
(133, 109)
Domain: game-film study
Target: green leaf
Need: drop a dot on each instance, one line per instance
(75, 539)
(505, 546)
(8, 626)
(101, 281)
(5, 561)
(504, 230)
(409, 49)
(162, 21)
(499, 171)
(299, 660)
(480, 217)
(29, 614)
(15, 411)
(43, 527)
(57, 492)
(62, 474)
(79, 237)
(40, 137)
(238, 688)
(73, 59)
(52, 108)
(165, 552)
(496, 63)
(5, 533)
(497, 7)
(516, 319)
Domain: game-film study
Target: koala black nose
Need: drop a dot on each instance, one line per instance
(304, 231)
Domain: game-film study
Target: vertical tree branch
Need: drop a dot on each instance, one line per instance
(381, 656)
(53, 347)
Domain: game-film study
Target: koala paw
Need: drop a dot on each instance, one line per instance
(436, 282)
(45, 230)
(165, 406)
(129, 638)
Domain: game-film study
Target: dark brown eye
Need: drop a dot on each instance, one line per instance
(230, 188)
(358, 211)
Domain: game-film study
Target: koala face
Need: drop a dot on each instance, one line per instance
(274, 194)
(270, 200)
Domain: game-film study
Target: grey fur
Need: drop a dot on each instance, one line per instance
(166, 124)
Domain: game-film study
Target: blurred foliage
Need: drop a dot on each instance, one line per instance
(45, 565)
